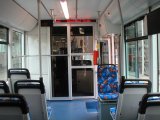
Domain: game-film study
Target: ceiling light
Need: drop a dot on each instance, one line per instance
(65, 8)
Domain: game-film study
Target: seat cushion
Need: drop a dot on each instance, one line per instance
(108, 96)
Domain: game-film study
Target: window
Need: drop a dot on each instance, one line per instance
(3, 34)
(137, 50)
(16, 50)
(3, 52)
(130, 31)
(131, 59)
(158, 62)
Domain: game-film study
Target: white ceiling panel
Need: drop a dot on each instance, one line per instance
(130, 9)
(88, 9)
(31, 7)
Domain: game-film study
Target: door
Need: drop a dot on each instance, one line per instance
(82, 69)
(59, 62)
(72, 62)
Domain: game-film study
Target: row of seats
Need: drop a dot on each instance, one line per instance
(127, 96)
(13, 107)
(129, 106)
(27, 94)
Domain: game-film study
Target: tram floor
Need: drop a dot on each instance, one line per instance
(73, 110)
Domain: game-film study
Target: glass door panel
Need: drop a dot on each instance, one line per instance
(60, 76)
(59, 62)
(82, 61)
(81, 39)
(82, 82)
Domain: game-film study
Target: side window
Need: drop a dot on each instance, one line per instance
(3, 52)
(17, 49)
(137, 50)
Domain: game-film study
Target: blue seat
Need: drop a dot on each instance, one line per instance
(107, 82)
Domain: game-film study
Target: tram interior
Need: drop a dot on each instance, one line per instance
(102, 53)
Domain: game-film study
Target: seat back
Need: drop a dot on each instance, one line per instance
(107, 81)
(34, 92)
(15, 74)
(149, 109)
(13, 107)
(131, 92)
(3, 87)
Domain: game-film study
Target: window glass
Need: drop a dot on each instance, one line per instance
(139, 28)
(137, 53)
(60, 76)
(82, 82)
(3, 62)
(130, 31)
(131, 49)
(143, 59)
(3, 34)
(17, 50)
(82, 60)
(81, 39)
(136, 29)
(158, 62)
(3, 53)
(59, 40)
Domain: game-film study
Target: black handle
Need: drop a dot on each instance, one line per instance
(20, 84)
(14, 100)
(145, 103)
(17, 71)
(123, 84)
(4, 86)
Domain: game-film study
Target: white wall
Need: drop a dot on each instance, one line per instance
(32, 61)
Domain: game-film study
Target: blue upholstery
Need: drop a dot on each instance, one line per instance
(107, 82)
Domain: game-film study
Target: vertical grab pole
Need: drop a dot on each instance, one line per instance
(122, 46)
(98, 41)
(39, 37)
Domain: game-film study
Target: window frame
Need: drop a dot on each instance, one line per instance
(136, 39)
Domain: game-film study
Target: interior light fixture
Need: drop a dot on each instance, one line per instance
(65, 8)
